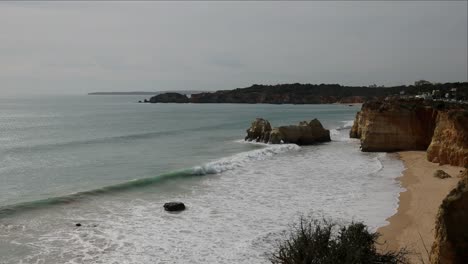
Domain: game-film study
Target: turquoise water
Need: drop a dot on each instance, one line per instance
(110, 163)
(61, 145)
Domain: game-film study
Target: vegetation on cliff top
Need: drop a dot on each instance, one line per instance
(323, 242)
(297, 93)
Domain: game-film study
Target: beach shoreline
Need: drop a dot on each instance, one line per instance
(412, 226)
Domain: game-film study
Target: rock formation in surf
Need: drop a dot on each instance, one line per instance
(451, 231)
(259, 131)
(169, 98)
(394, 125)
(305, 133)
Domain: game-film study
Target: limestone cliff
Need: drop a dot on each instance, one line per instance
(449, 144)
(394, 125)
(451, 238)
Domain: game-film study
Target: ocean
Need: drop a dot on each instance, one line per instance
(110, 164)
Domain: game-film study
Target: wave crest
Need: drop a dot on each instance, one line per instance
(238, 160)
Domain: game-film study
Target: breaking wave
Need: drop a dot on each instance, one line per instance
(217, 166)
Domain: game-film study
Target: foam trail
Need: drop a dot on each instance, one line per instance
(241, 159)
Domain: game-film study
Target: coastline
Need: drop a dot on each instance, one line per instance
(414, 220)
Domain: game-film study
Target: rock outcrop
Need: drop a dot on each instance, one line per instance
(259, 131)
(169, 98)
(451, 231)
(441, 174)
(395, 125)
(306, 133)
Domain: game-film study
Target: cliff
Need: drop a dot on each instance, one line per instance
(394, 125)
(169, 98)
(449, 144)
(451, 231)
(296, 93)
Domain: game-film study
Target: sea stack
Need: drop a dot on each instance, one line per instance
(259, 131)
(305, 133)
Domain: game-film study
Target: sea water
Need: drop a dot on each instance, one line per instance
(110, 164)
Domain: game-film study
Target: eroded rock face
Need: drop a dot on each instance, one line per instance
(449, 144)
(306, 133)
(451, 238)
(395, 125)
(259, 131)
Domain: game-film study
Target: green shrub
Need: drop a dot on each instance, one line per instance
(323, 242)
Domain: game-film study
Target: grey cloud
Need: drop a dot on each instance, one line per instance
(77, 47)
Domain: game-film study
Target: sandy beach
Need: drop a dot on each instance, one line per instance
(413, 224)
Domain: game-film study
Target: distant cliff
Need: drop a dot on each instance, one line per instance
(391, 125)
(169, 98)
(144, 92)
(292, 94)
(297, 93)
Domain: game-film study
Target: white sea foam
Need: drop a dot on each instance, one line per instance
(334, 132)
(348, 124)
(234, 217)
(241, 159)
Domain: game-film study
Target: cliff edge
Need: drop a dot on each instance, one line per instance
(451, 231)
(400, 124)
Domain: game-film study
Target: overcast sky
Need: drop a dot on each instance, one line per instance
(79, 47)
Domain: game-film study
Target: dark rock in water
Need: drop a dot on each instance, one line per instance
(78, 224)
(174, 206)
(140, 101)
(146, 101)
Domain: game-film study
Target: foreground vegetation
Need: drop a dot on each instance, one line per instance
(323, 242)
